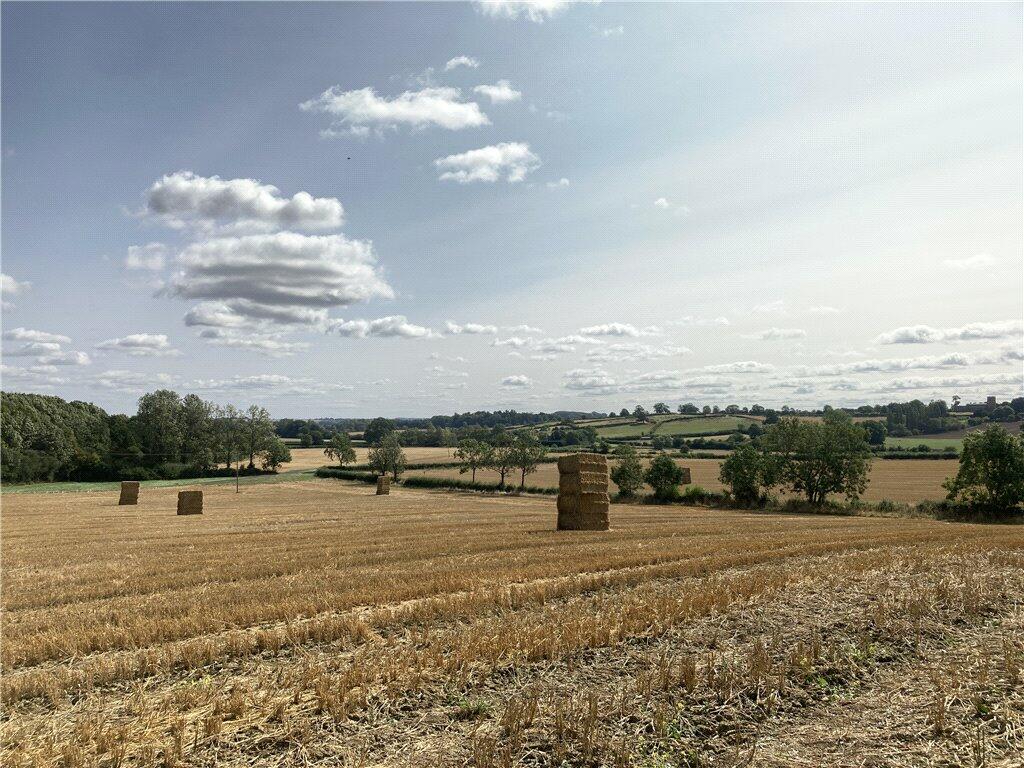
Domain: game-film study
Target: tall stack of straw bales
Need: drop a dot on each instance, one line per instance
(190, 502)
(129, 492)
(583, 492)
(383, 485)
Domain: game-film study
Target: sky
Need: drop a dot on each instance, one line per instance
(407, 209)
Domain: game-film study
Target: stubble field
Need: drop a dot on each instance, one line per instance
(314, 623)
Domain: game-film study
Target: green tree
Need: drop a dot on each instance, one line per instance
(473, 455)
(749, 474)
(661, 408)
(388, 456)
(503, 460)
(198, 434)
(664, 476)
(818, 459)
(876, 430)
(527, 453)
(159, 425)
(661, 442)
(991, 471)
(624, 413)
(340, 449)
(1003, 413)
(274, 454)
(257, 432)
(377, 430)
(640, 413)
(305, 440)
(628, 473)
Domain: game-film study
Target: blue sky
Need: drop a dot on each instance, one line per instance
(549, 206)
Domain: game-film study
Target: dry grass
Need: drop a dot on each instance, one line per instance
(910, 481)
(309, 622)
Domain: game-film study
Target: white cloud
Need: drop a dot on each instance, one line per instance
(64, 358)
(141, 345)
(772, 306)
(517, 382)
(619, 329)
(534, 10)
(501, 92)
(395, 326)
(128, 381)
(771, 334)
(562, 182)
(34, 348)
(513, 160)
(271, 345)
(151, 256)
(742, 366)
(662, 203)
(238, 313)
(517, 342)
(690, 320)
(469, 328)
(633, 351)
(461, 61)
(613, 31)
(925, 334)
(523, 329)
(11, 287)
(185, 199)
(922, 362)
(27, 334)
(40, 376)
(977, 261)
(362, 109)
(284, 269)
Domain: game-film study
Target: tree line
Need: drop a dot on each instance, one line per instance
(46, 438)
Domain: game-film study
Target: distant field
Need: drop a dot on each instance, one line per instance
(316, 624)
(908, 481)
(937, 443)
(672, 425)
(311, 458)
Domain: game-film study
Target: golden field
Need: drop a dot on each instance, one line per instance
(311, 622)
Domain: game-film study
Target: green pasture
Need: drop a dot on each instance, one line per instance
(936, 443)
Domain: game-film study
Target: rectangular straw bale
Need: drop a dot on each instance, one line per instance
(576, 503)
(383, 485)
(583, 482)
(595, 522)
(686, 475)
(575, 463)
(190, 502)
(129, 492)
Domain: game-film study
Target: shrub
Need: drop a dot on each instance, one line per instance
(749, 474)
(664, 476)
(628, 474)
(991, 472)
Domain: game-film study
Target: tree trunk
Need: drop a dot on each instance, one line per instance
(474, 474)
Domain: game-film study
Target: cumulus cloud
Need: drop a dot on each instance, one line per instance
(771, 334)
(921, 362)
(633, 351)
(742, 366)
(619, 329)
(360, 110)
(151, 256)
(11, 287)
(562, 182)
(516, 342)
(270, 345)
(517, 382)
(284, 269)
(926, 334)
(185, 199)
(141, 345)
(461, 61)
(698, 322)
(511, 160)
(268, 385)
(501, 92)
(40, 376)
(613, 31)
(63, 358)
(523, 329)
(238, 313)
(395, 326)
(977, 261)
(469, 328)
(534, 10)
(598, 381)
(128, 381)
(28, 334)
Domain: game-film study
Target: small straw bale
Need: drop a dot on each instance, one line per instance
(383, 485)
(190, 502)
(129, 492)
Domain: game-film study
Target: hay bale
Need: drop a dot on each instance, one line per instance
(575, 463)
(383, 485)
(190, 502)
(686, 475)
(129, 492)
(583, 500)
(584, 482)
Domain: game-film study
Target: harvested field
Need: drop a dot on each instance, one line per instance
(910, 481)
(314, 622)
(311, 458)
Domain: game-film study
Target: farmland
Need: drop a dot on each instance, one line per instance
(309, 621)
(905, 481)
(668, 425)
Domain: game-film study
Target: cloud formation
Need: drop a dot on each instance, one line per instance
(185, 199)
(394, 326)
(511, 160)
(773, 334)
(977, 261)
(28, 334)
(456, 329)
(926, 334)
(501, 92)
(141, 345)
(517, 382)
(151, 256)
(11, 287)
(461, 61)
(534, 10)
(360, 110)
(619, 329)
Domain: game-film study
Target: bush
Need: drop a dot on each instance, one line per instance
(469, 485)
(749, 474)
(664, 476)
(347, 474)
(628, 474)
(991, 472)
